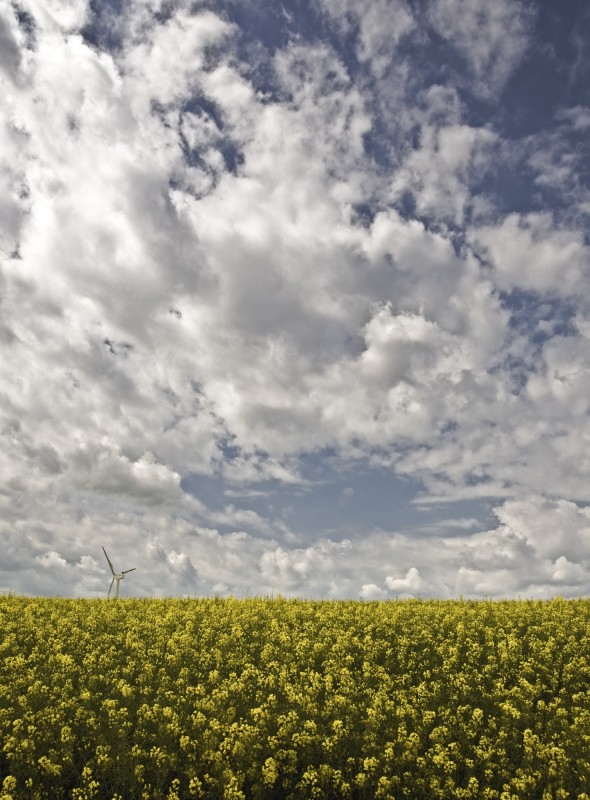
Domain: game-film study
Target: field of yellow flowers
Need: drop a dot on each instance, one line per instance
(275, 699)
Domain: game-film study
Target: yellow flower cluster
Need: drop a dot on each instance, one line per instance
(276, 699)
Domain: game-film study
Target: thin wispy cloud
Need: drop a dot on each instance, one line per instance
(295, 300)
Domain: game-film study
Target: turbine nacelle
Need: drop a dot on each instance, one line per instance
(117, 576)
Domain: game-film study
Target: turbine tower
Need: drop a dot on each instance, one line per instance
(117, 576)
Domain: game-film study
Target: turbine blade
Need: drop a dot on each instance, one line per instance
(125, 571)
(110, 587)
(109, 560)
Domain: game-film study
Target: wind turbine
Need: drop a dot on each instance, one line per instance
(117, 576)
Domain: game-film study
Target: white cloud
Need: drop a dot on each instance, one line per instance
(539, 550)
(438, 173)
(407, 586)
(492, 37)
(556, 158)
(530, 251)
(51, 560)
(175, 555)
(10, 56)
(370, 591)
(557, 529)
(100, 469)
(56, 15)
(451, 524)
(169, 62)
(381, 25)
(578, 117)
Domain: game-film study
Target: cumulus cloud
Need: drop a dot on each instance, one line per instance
(175, 556)
(439, 172)
(10, 55)
(407, 586)
(530, 251)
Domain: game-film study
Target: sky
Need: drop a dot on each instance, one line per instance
(295, 297)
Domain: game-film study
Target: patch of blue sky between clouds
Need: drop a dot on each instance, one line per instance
(338, 500)
(556, 66)
(103, 29)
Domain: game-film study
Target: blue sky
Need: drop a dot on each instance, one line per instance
(295, 297)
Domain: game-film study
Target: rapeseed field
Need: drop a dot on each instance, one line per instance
(276, 699)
